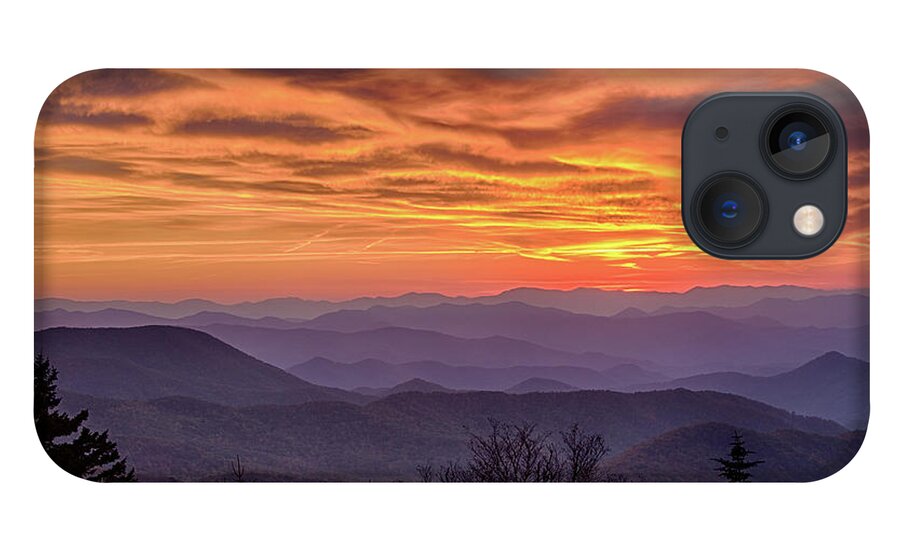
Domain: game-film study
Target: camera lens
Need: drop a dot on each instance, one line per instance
(731, 209)
(798, 142)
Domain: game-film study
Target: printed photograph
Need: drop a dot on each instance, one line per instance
(425, 275)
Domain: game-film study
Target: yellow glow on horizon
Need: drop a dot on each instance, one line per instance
(618, 163)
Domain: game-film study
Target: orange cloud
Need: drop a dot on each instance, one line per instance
(247, 184)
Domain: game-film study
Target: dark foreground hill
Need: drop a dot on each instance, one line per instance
(832, 386)
(190, 439)
(150, 362)
(686, 454)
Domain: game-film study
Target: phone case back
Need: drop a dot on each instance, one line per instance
(425, 275)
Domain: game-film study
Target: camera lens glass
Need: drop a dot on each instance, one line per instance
(731, 209)
(798, 142)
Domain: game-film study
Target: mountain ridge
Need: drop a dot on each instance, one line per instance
(139, 363)
(540, 385)
(297, 307)
(683, 341)
(832, 385)
(374, 373)
(289, 347)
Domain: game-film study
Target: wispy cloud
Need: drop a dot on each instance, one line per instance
(295, 128)
(344, 183)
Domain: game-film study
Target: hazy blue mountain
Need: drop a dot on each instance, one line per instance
(465, 320)
(685, 454)
(114, 317)
(832, 386)
(378, 374)
(631, 313)
(149, 362)
(373, 375)
(286, 348)
(682, 342)
(413, 385)
(623, 377)
(201, 319)
(107, 317)
(186, 438)
(581, 300)
(417, 385)
(282, 308)
(167, 310)
(836, 310)
(539, 384)
(609, 302)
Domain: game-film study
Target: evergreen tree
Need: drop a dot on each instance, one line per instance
(735, 468)
(90, 454)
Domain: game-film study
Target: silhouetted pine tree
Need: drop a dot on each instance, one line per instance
(90, 455)
(735, 467)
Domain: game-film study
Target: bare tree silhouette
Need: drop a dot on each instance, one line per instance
(521, 453)
(584, 453)
(426, 473)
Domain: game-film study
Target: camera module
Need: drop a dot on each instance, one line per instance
(763, 175)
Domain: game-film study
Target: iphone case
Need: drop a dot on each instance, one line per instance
(425, 275)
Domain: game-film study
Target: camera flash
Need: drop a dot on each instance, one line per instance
(808, 220)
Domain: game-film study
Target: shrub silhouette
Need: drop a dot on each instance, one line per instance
(237, 470)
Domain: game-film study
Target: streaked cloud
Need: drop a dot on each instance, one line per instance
(253, 183)
(301, 129)
(128, 83)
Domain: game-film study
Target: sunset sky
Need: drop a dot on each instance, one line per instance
(242, 185)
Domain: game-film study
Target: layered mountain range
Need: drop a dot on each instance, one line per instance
(372, 387)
